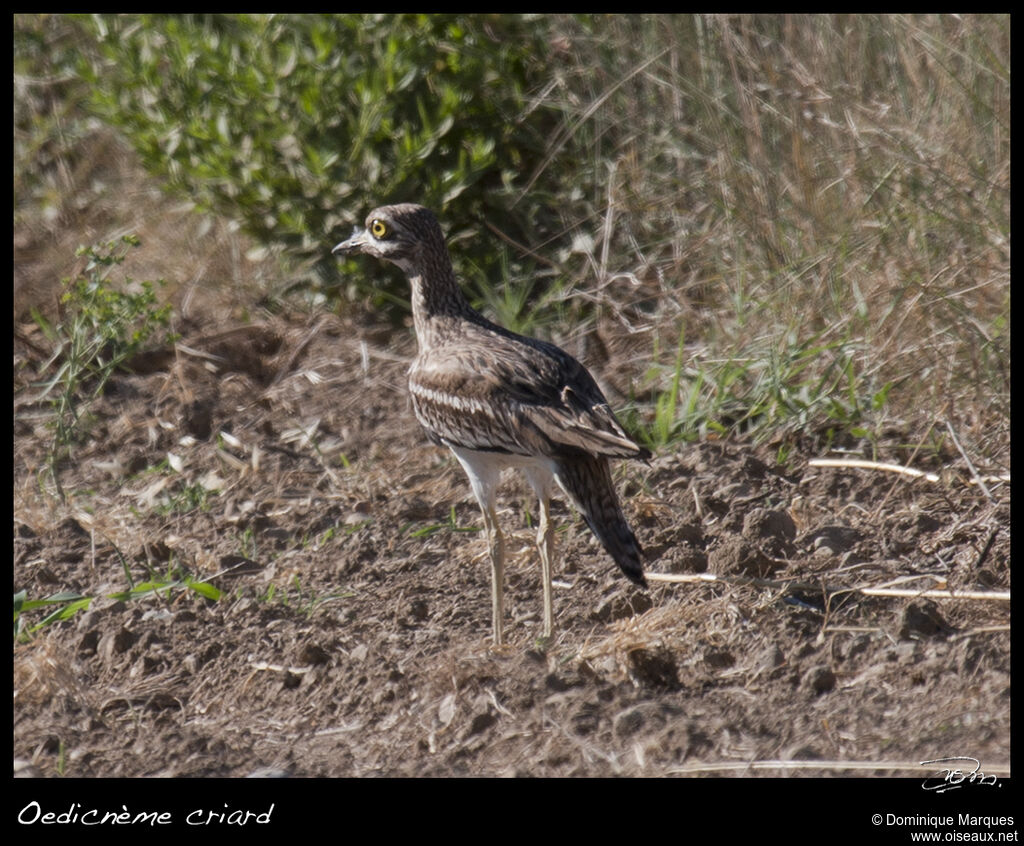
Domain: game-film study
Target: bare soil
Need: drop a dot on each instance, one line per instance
(352, 635)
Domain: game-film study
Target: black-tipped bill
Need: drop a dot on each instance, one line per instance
(354, 244)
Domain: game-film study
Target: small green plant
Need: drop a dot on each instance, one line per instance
(663, 427)
(451, 524)
(68, 603)
(247, 543)
(186, 498)
(772, 383)
(303, 600)
(99, 330)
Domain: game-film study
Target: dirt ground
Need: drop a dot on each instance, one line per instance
(352, 634)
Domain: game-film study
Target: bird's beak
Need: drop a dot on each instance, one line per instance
(354, 244)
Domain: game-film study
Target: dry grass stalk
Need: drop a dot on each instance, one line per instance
(882, 590)
(897, 468)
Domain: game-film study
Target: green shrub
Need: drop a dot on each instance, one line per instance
(49, 121)
(298, 125)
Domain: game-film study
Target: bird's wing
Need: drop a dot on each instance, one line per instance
(516, 395)
(576, 422)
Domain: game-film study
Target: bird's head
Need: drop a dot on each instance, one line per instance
(407, 235)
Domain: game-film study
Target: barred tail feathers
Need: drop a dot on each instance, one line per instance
(587, 482)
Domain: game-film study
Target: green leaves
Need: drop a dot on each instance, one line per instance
(69, 603)
(297, 125)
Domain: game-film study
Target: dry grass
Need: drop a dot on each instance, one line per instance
(818, 205)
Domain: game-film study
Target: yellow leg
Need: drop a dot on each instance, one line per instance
(496, 540)
(546, 546)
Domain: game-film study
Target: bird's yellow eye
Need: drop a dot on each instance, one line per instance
(379, 228)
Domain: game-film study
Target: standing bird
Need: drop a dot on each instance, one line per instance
(497, 399)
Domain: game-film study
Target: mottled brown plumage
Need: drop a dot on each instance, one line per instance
(498, 399)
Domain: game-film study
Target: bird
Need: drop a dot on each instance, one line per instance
(498, 399)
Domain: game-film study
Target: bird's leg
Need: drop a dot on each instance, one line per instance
(496, 541)
(540, 479)
(484, 476)
(546, 547)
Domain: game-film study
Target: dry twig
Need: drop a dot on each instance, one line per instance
(878, 590)
(907, 471)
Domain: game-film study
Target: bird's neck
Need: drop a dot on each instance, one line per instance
(437, 305)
